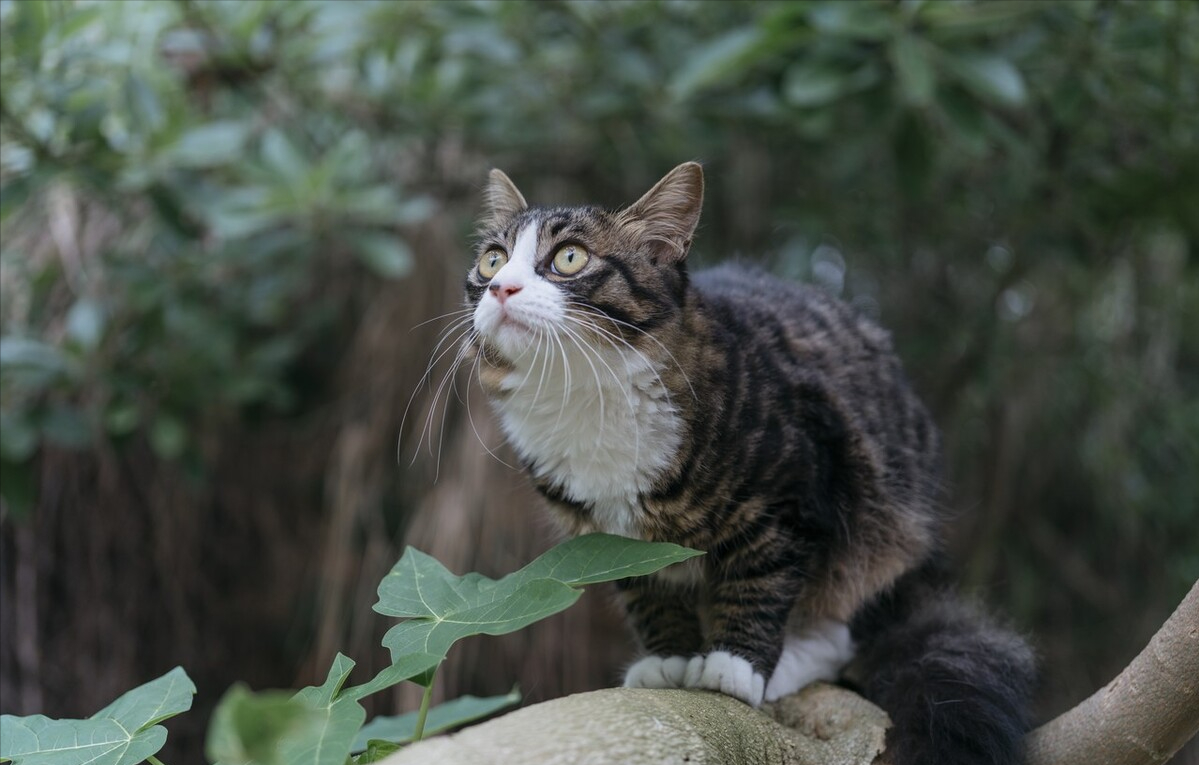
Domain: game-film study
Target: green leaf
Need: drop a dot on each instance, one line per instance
(282, 157)
(992, 79)
(326, 738)
(85, 323)
(914, 69)
(376, 750)
(153, 702)
(217, 143)
(168, 437)
(378, 205)
(399, 729)
(326, 693)
(812, 83)
(144, 102)
(720, 59)
(816, 83)
(122, 419)
(442, 608)
(853, 20)
(246, 727)
(595, 558)
(386, 254)
(413, 666)
(32, 363)
(971, 18)
(123, 733)
(238, 213)
(314, 726)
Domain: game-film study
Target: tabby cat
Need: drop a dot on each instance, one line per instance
(761, 421)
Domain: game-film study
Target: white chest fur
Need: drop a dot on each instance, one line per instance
(598, 422)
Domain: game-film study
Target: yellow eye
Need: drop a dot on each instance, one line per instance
(569, 259)
(491, 262)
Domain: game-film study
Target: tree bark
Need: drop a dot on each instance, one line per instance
(821, 725)
(1143, 716)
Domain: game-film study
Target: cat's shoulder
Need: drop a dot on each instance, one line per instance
(747, 281)
(751, 294)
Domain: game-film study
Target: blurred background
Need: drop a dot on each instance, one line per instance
(227, 226)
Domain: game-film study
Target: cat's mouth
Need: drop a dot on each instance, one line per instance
(506, 320)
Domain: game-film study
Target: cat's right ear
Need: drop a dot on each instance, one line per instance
(501, 199)
(669, 212)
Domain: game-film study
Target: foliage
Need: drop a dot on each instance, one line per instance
(441, 608)
(323, 725)
(125, 732)
(196, 197)
(401, 729)
(214, 224)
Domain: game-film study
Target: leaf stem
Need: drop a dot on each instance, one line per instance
(419, 733)
(153, 760)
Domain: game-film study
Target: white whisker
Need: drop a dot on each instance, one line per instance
(567, 386)
(435, 358)
(445, 409)
(460, 312)
(589, 309)
(478, 366)
(544, 366)
(599, 387)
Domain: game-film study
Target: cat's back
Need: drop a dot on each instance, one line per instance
(791, 340)
(755, 307)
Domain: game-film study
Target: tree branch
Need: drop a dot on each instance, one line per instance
(1143, 716)
(822, 725)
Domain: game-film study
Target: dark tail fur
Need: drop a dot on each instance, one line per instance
(956, 685)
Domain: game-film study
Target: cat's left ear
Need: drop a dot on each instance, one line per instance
(669, 212)
(501, 199)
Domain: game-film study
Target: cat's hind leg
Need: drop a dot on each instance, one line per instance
(818, 651)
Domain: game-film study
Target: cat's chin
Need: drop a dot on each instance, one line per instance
(512, 338)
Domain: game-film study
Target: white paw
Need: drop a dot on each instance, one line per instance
(656, 672)
(729, 674)
(818, 652)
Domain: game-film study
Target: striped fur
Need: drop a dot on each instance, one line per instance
(761, 421)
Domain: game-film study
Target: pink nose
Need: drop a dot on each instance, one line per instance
(503, 291)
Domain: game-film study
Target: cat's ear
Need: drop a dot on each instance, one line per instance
(669, 212)
(501, 198)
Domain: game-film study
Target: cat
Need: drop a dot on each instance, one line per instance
(761, 421)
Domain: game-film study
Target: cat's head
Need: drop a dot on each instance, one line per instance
(542, 273)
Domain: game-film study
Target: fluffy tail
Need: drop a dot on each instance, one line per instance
(956, 685)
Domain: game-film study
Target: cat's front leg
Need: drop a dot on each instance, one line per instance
(749, 620)
(667, 625)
